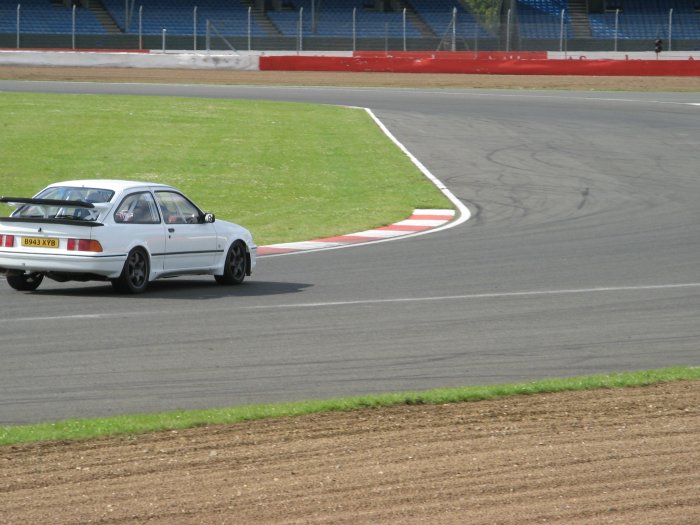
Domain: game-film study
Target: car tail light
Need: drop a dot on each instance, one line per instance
(7, 241)
(84, 245)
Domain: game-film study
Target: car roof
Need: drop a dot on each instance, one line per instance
(115, 185)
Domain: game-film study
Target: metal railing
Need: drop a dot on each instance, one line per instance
(669, 27)
(353, 30)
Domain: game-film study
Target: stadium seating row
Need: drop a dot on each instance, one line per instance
(543, 19)
(642, 26)
(636, 19)
(41, 16)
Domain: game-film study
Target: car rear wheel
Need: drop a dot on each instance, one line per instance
(134, 276)
(25, 282)
(236, 265)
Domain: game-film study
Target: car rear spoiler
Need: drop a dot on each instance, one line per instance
(47, 202)
(51, 202)
(38, 220)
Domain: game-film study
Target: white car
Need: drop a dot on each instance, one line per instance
(129, 233)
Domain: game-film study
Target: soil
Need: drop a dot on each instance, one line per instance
(612, 456)
(301, 78)
(607, 456)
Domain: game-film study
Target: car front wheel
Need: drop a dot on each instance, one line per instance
(134, 276)
(236, 265)
(25, 282)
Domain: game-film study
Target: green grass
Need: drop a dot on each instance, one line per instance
(286, 171)
(137, 424)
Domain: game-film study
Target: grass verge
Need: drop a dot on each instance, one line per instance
(138, 424)
(286, 171)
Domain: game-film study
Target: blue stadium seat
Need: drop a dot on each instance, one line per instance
(648, 20)
(542, 18)
(40, 16)
(230, 18)
(639, 19)
(438, 15)
(335, 19)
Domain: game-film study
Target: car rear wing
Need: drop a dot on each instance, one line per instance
(40, 220)
(24, 201)
(46, 202)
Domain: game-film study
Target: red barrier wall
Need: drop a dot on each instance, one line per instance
(428, 64)
(455, 55)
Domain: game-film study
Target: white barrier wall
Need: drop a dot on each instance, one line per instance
(247, 61)
(151, 60)
(613, 55)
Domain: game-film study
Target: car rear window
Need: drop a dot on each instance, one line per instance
(66, 193)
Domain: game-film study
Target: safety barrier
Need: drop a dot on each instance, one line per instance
(456, 55)
(487, 62)
(434, 63)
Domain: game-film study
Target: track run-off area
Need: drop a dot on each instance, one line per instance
(579, 257)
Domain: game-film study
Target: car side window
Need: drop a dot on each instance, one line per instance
(137, 208)
(176, 209)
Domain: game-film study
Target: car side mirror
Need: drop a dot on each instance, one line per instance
(209, 217)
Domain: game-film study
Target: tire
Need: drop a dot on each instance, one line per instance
(25, 282)
(235, 266)
(134, 276)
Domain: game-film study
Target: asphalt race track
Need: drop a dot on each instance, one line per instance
(581, 257)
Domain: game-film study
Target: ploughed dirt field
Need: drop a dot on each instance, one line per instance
(629, 456)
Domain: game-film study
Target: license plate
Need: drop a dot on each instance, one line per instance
(40, 242)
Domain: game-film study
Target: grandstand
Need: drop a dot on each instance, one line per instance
(340, 19)
(437, 15)
(43, 16)
(647, 19)
(543, 18)
(533, 24)
(177, 17)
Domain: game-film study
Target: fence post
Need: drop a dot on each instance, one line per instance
(300, 44)
(454, 29)
(670, 29)
(561, 31)
(164, 33)
(250, 25)
(617, 25)
(404, 29)
(354, 28)
(208, 36)
(386, 38)
(194, 29)
(140, 27)
(508, 31)
(73, 27)
(19, 6)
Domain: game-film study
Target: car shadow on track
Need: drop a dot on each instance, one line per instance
(190, 289)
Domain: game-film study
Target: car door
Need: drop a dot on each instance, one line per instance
(137, 220)
(190, 242)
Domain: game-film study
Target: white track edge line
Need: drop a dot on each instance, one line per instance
(464, 213)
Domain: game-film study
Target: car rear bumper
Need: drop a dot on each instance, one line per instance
(106, 265)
